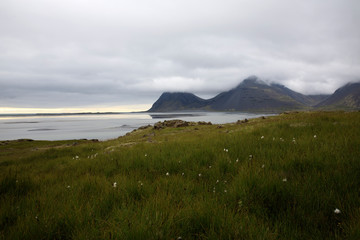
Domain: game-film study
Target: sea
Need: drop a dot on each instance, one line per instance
(101, 126)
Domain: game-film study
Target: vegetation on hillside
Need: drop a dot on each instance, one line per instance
(292, 176)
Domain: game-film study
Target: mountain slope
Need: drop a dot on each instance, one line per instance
(308, 100)
(346, 97)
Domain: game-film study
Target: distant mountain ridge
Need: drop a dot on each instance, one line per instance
(254, 95)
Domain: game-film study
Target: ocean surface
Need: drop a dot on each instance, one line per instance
(99, 126)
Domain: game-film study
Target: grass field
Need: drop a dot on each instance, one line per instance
(292, 176)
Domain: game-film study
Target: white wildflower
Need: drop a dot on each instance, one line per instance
(114, 184)
(225, 191)
(217, 181)
(262, 166)
(199, 174)
(237, 160)
(182, 174)
(145, 155)
(210, 166)
(68, 186)
(262, 137)
(284, 180)
(314, 136)
(167, 174)
(337, 211)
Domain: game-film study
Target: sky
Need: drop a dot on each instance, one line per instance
(120, 55)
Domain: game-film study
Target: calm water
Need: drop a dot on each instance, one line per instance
(99, 126)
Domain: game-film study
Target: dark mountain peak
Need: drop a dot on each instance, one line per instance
(170, 101)
(177, 94)
(183, 97)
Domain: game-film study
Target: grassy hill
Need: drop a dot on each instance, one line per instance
(292, 176)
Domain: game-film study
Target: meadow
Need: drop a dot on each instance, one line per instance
(291, 176)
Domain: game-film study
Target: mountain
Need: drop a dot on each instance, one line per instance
(254, 95)
(178, 101)
(346, 97)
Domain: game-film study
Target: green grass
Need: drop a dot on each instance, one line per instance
(288, 189)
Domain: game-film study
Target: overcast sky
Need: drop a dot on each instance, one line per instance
(122, 54)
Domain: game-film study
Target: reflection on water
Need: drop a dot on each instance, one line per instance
(99, 126)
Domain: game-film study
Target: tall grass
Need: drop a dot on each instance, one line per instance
(276, 178)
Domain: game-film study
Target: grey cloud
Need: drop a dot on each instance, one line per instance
(57, 53)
